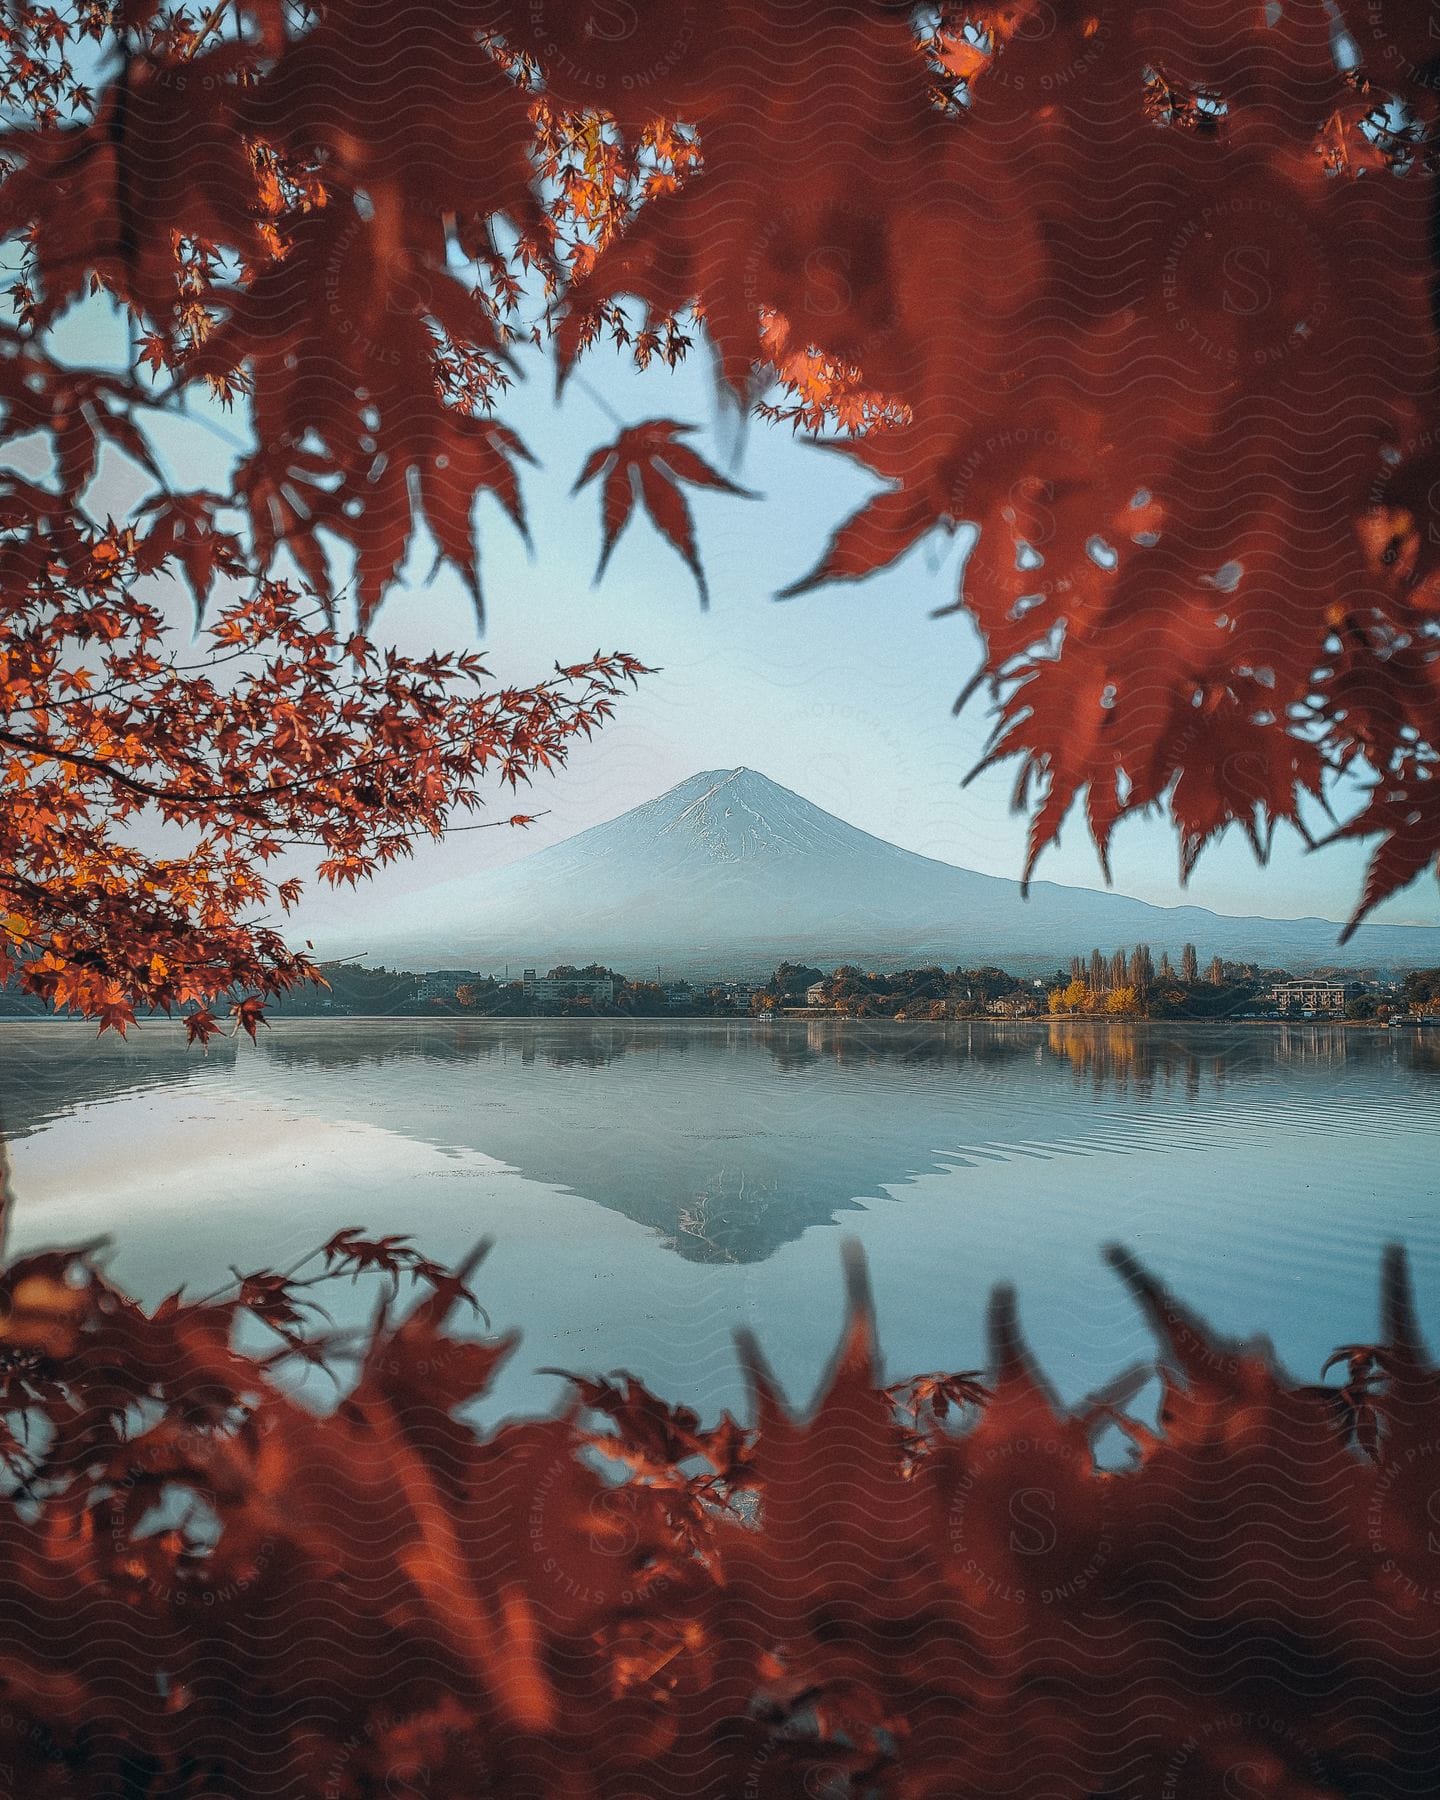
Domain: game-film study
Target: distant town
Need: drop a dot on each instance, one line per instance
(1125, 984)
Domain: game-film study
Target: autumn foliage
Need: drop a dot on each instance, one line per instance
(278, 736)
(932, 1588)
(1145, 292)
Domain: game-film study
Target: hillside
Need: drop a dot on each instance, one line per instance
(730, 872)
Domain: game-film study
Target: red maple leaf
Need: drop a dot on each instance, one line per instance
(646, 462)
(201, 1026)
(248, 1013)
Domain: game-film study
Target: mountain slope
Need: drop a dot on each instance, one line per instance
(729, 873)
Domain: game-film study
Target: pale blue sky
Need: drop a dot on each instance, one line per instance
(844, 694)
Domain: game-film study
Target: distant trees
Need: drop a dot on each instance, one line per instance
(786, 987)
(1121, 986)
(641, 999)
(1075, 997)
(925, 993)
(352, 988)
(630, 999)
(1420, 989)
(1122, 983)
(1078, 996)
(1117, 983)
(1130, 984)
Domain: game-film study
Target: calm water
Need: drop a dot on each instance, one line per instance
(649, 1187)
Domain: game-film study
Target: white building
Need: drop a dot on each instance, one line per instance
(545, 987)
(1314, 996)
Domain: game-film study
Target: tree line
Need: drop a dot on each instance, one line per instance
(1132, 983)
(1124, 983)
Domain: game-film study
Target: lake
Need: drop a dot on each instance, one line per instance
(651, 1186)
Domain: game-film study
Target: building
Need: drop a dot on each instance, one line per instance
(678, 994)
(546, 987)
(1314, 996)
(440, 984)
(1019, 1005)
(815, 994)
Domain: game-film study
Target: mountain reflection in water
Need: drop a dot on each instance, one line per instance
(729, 1140)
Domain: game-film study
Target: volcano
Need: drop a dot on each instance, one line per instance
(730, 873)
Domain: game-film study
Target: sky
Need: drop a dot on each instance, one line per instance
(844, 695)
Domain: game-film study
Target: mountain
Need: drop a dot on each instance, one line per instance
(729, 873)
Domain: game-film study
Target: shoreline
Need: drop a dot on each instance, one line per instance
(790, 1016)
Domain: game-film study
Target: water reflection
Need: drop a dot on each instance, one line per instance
(1119, 1053)
(1135, 1059)
(50, 1071)
(729, 1140)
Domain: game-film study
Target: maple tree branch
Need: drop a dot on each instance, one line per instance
(205, 27)
(133, 685)
(403, 835)
(76, 759)
(201, 796)
(67, 904)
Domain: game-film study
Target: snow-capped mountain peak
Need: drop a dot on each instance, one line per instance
(736, 815)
